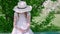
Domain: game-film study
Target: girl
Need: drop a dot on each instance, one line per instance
(22, 19)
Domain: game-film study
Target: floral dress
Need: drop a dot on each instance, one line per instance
(22, 23)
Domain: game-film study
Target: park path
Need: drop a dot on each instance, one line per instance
(56, 21)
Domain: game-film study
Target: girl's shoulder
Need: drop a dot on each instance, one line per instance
(28, 13)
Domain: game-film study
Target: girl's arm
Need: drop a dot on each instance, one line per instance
(15, 19)
(28, 20)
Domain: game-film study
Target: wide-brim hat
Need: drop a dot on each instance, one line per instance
(22, 7)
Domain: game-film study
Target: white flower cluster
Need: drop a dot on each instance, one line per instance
(50, 5)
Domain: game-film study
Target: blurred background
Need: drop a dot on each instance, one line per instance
(45, 15)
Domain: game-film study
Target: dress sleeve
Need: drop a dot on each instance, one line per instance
(28, 17)
(15, 14)
(28, 14)
(15, 17)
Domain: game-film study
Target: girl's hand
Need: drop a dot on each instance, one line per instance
(28, 24)
(14, 25)
(21, 30)
(28, 27)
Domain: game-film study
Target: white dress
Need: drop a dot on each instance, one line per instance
(22, 23)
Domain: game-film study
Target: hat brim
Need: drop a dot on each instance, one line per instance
(27, 9)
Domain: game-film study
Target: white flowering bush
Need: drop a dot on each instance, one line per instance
(43, 21)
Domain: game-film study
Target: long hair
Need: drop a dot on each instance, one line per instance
(25, 14)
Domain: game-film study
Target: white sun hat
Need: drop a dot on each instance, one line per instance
(22, 7)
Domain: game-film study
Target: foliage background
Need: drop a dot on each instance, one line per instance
(6, 16)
